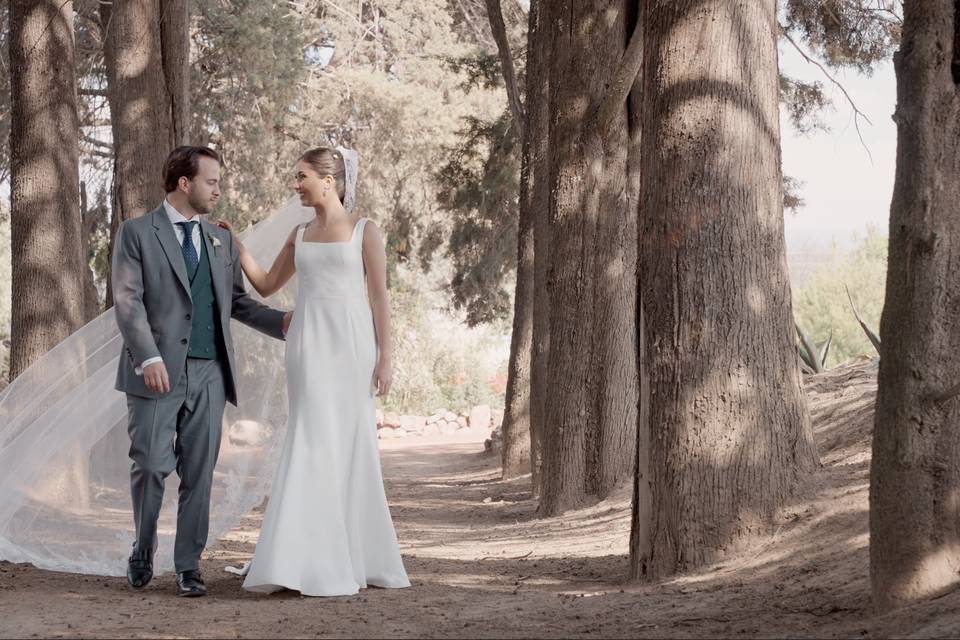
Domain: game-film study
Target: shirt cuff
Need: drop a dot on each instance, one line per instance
(146, 363)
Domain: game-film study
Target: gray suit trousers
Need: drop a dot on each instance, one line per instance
(177, 431)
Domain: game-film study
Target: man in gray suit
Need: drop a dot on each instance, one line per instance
(176, 284)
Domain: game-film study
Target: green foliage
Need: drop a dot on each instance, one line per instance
(847, 33)
(438, 363)
(478, 185)
(813, 357)
(822, 306)
(247, 74)
(804, 102)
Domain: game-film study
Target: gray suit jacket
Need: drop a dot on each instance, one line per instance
(151, 294)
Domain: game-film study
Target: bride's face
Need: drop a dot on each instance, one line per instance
(313, 188)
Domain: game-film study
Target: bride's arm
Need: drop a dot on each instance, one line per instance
(375, 263)
(269, 282)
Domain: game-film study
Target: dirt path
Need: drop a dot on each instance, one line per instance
(483, 566)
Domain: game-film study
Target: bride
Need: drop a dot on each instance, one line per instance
(327, 529)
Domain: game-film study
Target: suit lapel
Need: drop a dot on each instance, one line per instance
(215, 256)
(171, 247)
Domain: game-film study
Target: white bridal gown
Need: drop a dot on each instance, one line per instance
(327, 530)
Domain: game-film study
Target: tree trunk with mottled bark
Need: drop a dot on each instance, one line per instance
(731, 436)
(915, 471)
(146, 54)
(515, 456)
(46, 256)
(147, 50)
(590, 417)
(536, 155)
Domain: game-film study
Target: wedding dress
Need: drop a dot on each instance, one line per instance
(327, 530)
(64, 471)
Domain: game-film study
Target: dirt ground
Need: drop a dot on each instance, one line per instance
(482, 565)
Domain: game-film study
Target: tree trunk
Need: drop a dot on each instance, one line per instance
(732, 434)
(915, 473)
(591, 412)
(147, 55)
(47, 274)
(147, 50)
(141, 106)
(515, 455)
(516, 417)
(536, 156)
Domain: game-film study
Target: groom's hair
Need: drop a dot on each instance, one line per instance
(184, 162)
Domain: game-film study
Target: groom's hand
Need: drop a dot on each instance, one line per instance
(286, 322)
(156, 378)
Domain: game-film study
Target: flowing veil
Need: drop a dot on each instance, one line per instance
(64, 472)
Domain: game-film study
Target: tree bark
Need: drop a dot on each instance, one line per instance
(731, 433)
(516, 417)
(146, 49)
(591, 414)
(515, 456)
(499, 30)
(915, 472)
(536, 156)
(147, 76)
(47, 274)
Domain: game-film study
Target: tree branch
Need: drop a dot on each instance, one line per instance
(857, 114)
(495, 15)
(95, 142)
(616, 95)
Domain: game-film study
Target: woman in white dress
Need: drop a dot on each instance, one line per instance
(327, 530)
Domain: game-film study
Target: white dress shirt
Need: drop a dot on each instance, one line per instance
(175, 217)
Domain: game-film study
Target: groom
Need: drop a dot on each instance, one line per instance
(176, 284)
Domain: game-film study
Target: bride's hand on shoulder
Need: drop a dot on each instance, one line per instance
(223, 224)
(383, 377)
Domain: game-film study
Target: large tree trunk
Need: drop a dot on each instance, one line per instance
(45, 225)
(143, 55)
(591, 379)
(731, 433)
(915, 473)
(536, 156)
(147, 50)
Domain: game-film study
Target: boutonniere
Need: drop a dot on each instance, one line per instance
(214, 242)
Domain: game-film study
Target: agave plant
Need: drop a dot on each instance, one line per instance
(813, 358)
(874, 338)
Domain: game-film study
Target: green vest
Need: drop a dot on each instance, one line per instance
(205, 332)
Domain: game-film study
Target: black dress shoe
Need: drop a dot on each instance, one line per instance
(190, 584)
(140, 569)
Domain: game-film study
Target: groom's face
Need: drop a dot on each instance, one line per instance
(204, 189)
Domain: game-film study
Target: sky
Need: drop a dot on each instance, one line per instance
(845, 187)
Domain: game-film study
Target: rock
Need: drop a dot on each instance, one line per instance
(419, 422)
(247, 433)
(450, 416)
(493, 445)
(435, 418)
(431, 429)
(448, 428)
(391, 420)
(400, 432)
(462, 422)
(480, 417)
(386, 433)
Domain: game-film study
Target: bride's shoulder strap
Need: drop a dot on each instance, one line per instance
(358, 231)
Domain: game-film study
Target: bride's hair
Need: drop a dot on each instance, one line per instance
(328, 162)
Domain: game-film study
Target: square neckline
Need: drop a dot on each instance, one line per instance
(353, 234)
